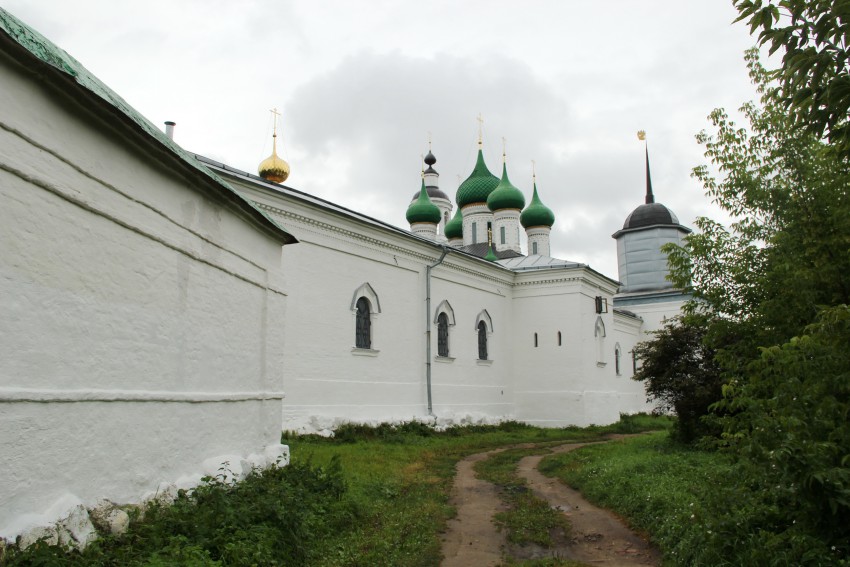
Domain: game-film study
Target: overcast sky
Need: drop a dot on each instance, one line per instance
(360, 85)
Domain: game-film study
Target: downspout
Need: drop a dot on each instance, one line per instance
(428, 326)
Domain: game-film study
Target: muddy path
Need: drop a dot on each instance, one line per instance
(598, 537)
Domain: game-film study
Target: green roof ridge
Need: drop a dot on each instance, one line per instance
(422, 210)
(536, 213)
(48, 52)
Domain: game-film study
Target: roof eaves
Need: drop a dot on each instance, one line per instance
(51, 57)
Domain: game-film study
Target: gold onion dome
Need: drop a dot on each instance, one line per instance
(274, 168)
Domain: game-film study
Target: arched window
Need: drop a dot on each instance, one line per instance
(599, 333)
(363, 334)
(617, 355)
(442, 335)
(559, 338)
(535, 340)
(534, 248)
(482, 340)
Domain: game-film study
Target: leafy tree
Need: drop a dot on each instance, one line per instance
(814, 77)
(764, 278)
(680, 374)
(774, 288)
(790, 429)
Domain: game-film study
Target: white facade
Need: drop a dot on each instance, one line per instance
(506, 230)
(329, 381)
(139, 298)
(538, 240)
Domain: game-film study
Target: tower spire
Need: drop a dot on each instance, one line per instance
(650, 198)
(480, 130)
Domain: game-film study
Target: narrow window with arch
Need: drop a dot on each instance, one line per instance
(482, 340)
(534, 248)
(502, 234)
(443, 335)
(363, 333)
(617, 356)
(559, 338)
(475, 233)
(535, 340)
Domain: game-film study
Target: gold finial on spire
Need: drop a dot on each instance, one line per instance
(641, 135)
(533, 170)
(429, 142)
(480, 130)
(489, 236)
(504, 149)
(274, 168)
(422, 166)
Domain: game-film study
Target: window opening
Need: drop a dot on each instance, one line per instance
(559, 338)
(363, 334)
(617, 360)
(502, 234)
(482, 341)
(475, 233)
(442, 335)
(535, 340)
(534, 248)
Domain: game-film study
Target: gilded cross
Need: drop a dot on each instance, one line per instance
(480, 128)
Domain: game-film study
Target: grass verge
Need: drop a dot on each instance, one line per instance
(368, 497)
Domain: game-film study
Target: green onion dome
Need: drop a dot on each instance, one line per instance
(422, 209)
(537, 214)
(454, 228)
(505, 196)
(478, 185)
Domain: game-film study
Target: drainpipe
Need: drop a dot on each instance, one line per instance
(428, 325)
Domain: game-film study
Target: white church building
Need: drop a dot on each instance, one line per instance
(161, 312)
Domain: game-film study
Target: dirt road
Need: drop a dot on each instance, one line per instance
(598, 537)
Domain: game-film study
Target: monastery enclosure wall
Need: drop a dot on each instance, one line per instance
(136, 314)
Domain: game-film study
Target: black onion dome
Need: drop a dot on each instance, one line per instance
(430, 159)
(650, 214)
(433, 193)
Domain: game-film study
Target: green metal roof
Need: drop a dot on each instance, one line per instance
(454, 228)
(48, 53)
(505, 196)
(478, 186)
(422, 209)
(537, 214)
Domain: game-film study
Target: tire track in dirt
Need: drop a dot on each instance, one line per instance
(598, 537)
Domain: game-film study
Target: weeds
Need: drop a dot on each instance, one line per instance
(375, 496)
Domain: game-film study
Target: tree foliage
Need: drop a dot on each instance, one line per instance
(815, 77)
(680, 374)
(785, 254)
(774, 288)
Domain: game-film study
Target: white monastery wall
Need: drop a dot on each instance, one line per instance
(328, 381)
(462, 384)
(136, 314)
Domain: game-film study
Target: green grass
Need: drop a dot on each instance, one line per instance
(662, 488)
(370, 497)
